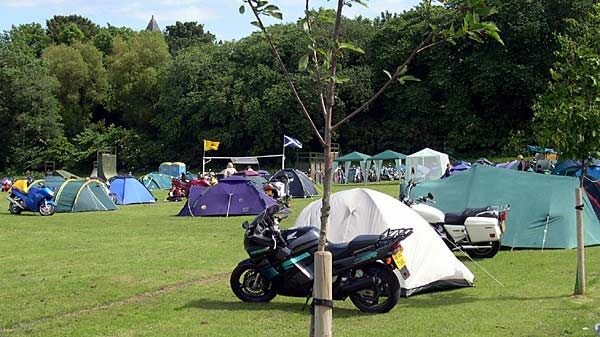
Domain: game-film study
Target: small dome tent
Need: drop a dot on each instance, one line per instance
(362, 211)
(300, 185)
(156, 181)
(129, 190)
(83, 196)
(234, 195)
(426, 164)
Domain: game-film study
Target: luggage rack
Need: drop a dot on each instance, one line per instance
(394, 234)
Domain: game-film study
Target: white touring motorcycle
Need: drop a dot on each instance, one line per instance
(477, 231)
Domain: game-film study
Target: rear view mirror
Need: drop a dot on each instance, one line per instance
(245, 225)
(430, 196)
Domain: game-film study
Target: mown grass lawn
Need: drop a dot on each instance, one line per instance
(142, 271)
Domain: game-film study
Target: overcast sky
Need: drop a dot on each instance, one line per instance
(220, 17)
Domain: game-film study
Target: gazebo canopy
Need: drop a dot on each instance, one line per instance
(356, 157)
(353, 156)
(388, 155)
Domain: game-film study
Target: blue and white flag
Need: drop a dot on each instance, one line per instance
(291, 142)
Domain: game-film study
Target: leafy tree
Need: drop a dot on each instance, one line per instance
(186, 34)
(324, 59)
(83, 82)
(131, 148)
(103, 40)
(61, 30)
(71, 34)
(27, 102)
(135, 73)
(31, 36)
(567, 116)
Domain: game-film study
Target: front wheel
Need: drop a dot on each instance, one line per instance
(383, 294)
(14, 209)
(47, 209)
(481, 253)
(249, 285)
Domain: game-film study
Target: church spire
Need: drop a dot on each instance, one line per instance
(152, 25)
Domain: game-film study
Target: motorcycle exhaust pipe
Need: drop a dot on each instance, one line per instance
(14, 202)
(359, 284)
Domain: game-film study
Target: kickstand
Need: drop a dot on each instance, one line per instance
(306, 303)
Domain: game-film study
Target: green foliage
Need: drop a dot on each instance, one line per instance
(186, 34)
(129, 145)
(83, 82)
(567, 116)
(135, 73)
(31, 36)
(61, 29)
(71, 34)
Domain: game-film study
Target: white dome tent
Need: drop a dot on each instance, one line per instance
(426, 164)
(362, 211)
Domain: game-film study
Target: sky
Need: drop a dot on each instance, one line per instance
(220, 17)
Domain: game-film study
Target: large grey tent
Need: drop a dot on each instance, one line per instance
(542, 213)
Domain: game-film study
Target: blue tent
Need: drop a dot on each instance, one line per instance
(129, 190)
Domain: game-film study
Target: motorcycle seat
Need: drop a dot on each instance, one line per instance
(347, 248)
(459, 218)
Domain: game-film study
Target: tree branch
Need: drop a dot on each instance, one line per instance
(286, 73)
(315, 57)
(334, 58)
(422, 46)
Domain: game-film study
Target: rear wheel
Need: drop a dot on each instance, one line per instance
(383, 295)
(482, 253)
(47, 209)
(14, 209)
(249, 285)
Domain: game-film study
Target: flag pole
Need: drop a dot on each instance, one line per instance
(203, 155)
(283, 156)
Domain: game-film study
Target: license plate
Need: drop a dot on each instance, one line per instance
(399, 260)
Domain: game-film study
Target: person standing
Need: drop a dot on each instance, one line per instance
(521, 166)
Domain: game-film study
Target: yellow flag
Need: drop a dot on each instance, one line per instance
(210, 145)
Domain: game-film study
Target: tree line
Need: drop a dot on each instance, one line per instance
(73, 87)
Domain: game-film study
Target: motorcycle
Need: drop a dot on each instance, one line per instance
(476, 231)
(37, 199)
(278, 188)
(6, 185)
(281, 263)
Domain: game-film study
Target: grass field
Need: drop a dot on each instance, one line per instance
(142, 271)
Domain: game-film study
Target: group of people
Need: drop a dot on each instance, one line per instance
(524, 165)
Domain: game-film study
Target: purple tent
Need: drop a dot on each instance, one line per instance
(460, 166)
(234, 195)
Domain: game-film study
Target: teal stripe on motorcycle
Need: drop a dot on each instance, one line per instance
(289, 263)
(258, 251)
(365, 257)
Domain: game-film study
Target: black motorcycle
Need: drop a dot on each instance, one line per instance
(281, 263)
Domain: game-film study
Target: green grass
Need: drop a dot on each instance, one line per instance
(141, 271)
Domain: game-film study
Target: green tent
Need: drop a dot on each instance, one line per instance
(348, 159)
(156, 181)
(542, 213)
(378, 159)
(83, 196)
